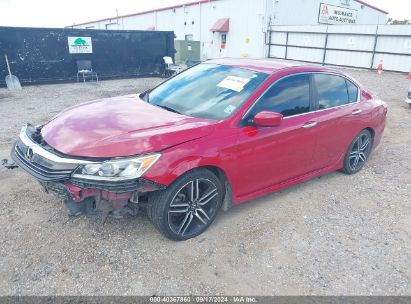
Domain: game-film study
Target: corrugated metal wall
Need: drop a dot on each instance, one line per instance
(363, 46)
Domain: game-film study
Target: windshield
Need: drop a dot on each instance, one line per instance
(207, 91)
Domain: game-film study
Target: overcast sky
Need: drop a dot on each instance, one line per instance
(59, 13)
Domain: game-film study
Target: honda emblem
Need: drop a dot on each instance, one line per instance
(29, 155)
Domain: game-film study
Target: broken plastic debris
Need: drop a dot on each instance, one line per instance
(9, 164)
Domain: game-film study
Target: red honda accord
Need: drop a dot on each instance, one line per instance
(214, 136)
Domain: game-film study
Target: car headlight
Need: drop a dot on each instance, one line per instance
(113, 170)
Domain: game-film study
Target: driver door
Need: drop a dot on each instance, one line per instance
(271, 155)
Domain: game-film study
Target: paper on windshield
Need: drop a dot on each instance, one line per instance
(234, 83)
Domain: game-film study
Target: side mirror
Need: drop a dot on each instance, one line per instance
(268, 119)
(144, 95)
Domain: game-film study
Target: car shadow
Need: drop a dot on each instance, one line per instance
(275, 196)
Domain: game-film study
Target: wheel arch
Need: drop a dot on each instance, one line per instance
(371, 131)
(228, 195)
(222, 176)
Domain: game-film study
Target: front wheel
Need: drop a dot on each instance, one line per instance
(188, 206)
(358, 152)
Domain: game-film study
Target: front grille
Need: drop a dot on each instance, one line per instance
(36, 169)
(58, 189)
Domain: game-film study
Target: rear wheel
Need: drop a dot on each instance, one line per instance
(358, 152)
(188, 206)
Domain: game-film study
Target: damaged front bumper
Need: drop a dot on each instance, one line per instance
(55, 173)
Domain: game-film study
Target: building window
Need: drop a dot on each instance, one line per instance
(189, 37)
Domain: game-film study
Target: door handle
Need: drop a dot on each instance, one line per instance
(309, 125)
(356, 112)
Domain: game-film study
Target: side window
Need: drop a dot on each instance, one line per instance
(332, 91)
(289, 96)
(352, 91)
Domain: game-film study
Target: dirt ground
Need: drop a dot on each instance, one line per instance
(334, 235)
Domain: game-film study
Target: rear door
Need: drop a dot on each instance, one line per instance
(339, 118)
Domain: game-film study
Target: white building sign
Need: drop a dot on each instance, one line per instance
(331, 14)
(80, 45)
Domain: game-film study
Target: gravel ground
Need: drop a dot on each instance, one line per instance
(333, 235)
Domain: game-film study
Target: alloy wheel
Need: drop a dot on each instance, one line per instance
(360, 151)
(193, 207)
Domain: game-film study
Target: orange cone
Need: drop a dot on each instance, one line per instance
(379, 68)
(409, 75)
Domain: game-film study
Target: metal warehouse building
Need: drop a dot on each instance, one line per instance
(238, 28)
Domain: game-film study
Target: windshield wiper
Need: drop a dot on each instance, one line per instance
(168, 109)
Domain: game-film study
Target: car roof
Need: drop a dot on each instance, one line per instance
(268, 66)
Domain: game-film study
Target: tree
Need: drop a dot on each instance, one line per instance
(395, 21)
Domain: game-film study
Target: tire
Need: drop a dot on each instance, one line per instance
(179, 213)
(358, 152)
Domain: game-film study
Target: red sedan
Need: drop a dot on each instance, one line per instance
(214, 136)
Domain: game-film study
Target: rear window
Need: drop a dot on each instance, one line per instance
(332, 91)
(352, 91)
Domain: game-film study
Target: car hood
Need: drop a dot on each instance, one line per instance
(120, 126)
